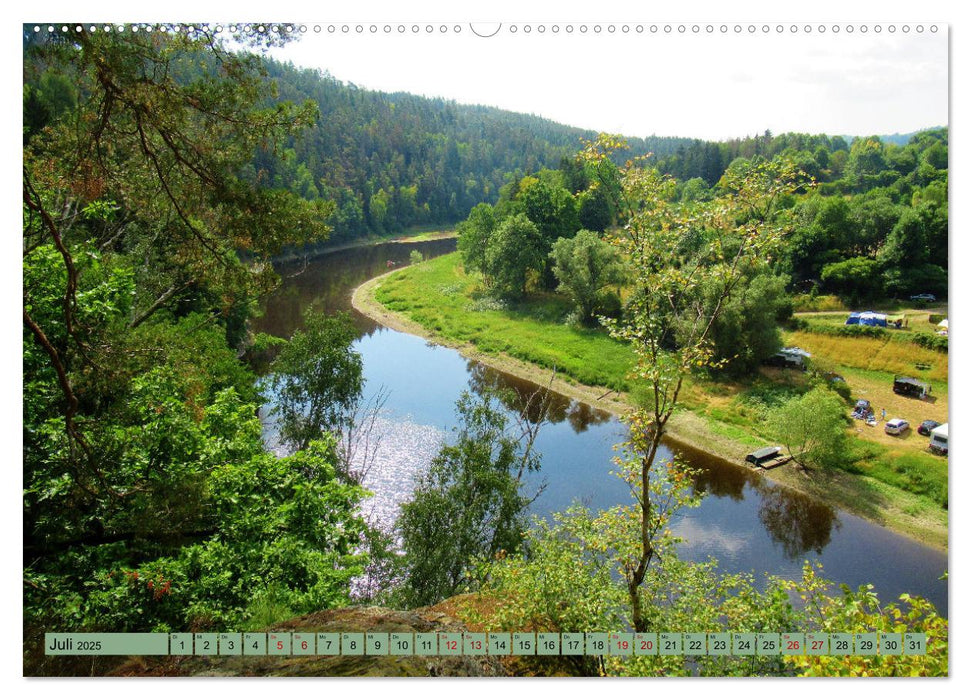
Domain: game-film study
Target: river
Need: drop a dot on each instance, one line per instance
(747, 523)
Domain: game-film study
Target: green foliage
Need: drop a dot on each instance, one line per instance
(841, 388)
(746, 331)
(823, 230)
(914, 253)
(763, 396)
(415, 257)
(919, 237)
(931, 341)
(562, 583)
(585, 266)
(549, 205)
(473, 237)
(158, 164)
(209, 519)
(317, 379)
(813, 428)
(284, 524)
(919, 473)
(687, 262)
(887, 213)
(867, 166)
(594, 210)
(816, 302)
(469, 505)
(514, 250)
(928, 277)
(393, 161)
(442, 298)
(852, 331)
(860, 612)
(149, 499)
(857, 279)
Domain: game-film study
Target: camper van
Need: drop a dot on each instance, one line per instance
(938, 443)
(908, 386)
(793, 358)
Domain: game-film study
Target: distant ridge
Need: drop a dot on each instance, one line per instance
(897, 139)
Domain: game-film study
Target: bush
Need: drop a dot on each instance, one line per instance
(810, 302)
(797, 324)
(931, 341)
(848, 331)
(610, 306)
(812, 427)
(841, 388)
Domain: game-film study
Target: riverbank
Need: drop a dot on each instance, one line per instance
(416, 236)
(869, 498)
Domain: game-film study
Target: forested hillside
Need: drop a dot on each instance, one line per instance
(390, 161)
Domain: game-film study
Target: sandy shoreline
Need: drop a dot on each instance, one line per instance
(684, 427)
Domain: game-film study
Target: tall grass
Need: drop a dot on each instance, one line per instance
(892, 355)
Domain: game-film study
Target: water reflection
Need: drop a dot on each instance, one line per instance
(532, 401)
(798, 523)
(327, 282)
(716, 477)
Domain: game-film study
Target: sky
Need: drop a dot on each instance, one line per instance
(698, 84)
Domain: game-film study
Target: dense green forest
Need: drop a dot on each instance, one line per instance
(871, 221)
(163, 172)
(390, 161)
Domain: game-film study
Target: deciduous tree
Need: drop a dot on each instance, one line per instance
(812, 427)
(585, 267)
(676, 252)
(514, 250)
(317, 379)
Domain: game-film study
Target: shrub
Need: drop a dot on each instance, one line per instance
(810, 302)
(931, 341)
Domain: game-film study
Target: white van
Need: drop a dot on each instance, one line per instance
(938, 443)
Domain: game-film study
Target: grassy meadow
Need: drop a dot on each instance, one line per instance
(438, 295)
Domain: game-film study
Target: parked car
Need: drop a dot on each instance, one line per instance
(926, 427)
(923, 297)
(938, 444)
(896, 426)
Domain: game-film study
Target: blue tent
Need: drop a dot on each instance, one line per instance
(866, 318)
